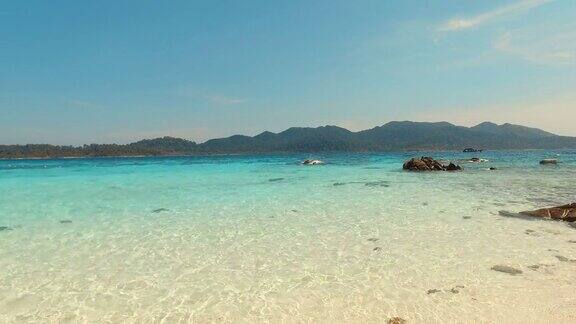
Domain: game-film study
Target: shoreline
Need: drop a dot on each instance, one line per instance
(280, 153)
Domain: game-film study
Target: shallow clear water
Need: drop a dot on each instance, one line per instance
(249, 239)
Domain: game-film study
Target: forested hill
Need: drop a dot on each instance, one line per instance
(394, 136)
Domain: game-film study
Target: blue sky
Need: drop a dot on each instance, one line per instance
(78, 72)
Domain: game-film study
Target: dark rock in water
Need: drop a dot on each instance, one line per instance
(506, 269)
(275, 179)
(467, 217)
(453, 167)
(312, 162)
(159, 210)
(397, 320)
(572, 241)
(428, 164)
(433, 291)
(377, 249)
(454, 290)
(549, 162)
(337, 184)
(373, 239)
(294, 210)
(5, 228)
(493, 169)
(565, 213)
(65, 221)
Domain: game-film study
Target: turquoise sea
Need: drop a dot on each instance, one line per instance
(262, 238)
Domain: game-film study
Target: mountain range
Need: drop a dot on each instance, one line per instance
(393, 136)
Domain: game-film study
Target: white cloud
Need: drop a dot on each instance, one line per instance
(457, 24)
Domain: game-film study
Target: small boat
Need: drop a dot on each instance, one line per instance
(471, 150)
(312, 162)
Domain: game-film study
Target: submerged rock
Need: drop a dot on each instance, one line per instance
(506, 269)
(378, 183)
(373, 239)
(5, 228)
(549, 162)
(506, 213)
(565, 213)
(65, 221)
(564, 259)
(381, 183)
(275, 179)
(433, 291)
(428, 164)
(397, 320)
(531, 232)
(159, 210)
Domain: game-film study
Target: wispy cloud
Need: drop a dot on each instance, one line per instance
(556, 48)
(215, 98)
(458, 24)
(82, 104)
(224, 100)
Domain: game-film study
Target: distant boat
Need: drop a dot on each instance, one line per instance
(471, 150)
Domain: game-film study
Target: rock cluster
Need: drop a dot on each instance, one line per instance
(429, 164)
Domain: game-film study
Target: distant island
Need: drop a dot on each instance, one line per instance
(393, 136)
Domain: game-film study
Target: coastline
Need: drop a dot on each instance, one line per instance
(284, 153)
